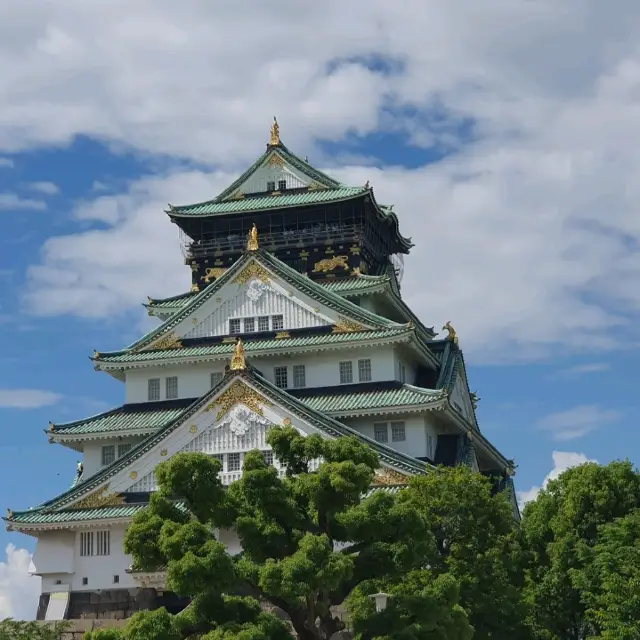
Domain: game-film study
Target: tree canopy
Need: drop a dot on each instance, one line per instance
(31, 630)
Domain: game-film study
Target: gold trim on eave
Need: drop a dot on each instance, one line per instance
(344, 325)
(170, 341)
(97, 499)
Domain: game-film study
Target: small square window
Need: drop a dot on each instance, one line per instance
(299, 376)
(280, 377)
(154, 389)
(234, 326)
(123, 449)
(346, 372)
(380, 433)
(216, 378)
(108, 454)
(277, 323)
(364, 370)
(397, 432)
(171, 387)
(249, 325)
(85, 581)
(263, 323)
(268, 457)
(282, 185)
(233, 462)
(271, 185)
(58, 581)
(116, 579)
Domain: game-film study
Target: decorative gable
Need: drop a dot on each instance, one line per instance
(461, 399)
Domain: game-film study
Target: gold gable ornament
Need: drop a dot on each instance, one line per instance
(237, 359)
(344, 325)
(451, 332)
(252, 242)
(239, 393)
(170, 341)
(329, 264)
(274, 133)
(98, 499)
(213, 273)
(388, 477)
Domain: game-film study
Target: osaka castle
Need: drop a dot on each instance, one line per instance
(294, 316)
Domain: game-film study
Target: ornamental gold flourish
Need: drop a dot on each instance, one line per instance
(253, 270)
(98, 499)
(344, 325)
(275, 160)
(389, 477)
(213, 273)
(329, 264)
(239, 393)
(170, 341)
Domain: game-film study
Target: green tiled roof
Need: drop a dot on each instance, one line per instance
(343, 403)
(172, 302)
(254, 346)
(263, 203)
(123, 418)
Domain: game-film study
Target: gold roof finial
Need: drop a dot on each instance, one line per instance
(274, 133)
(451, 332)
(237, 359)
(9, 514)
(252, 242)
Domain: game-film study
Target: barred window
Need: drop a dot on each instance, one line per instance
(299, 376)
(249, 325)
(154, 389)
(364, 370)
(280, 377)
(103, 548)
(263, 323)
(233, 462)
(271, 185)
(380, 432)
(86, 543)
(346, 372)
(123, 449)
(171, 385)
(108, 454)
(430, 446)
(234, 326)
(216, 378)
(282, 185)
(268, 457)
(397, 432)
(277, 323)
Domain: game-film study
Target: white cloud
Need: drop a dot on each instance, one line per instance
(527, 233)
(577, 421)
(27, 398)
(19, 592)
(6, 163)
(582, 369)
(48, 188)
(11, 201)
(562, 460)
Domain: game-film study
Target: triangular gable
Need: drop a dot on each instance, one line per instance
(277, 163)
(261, 404)
(453, 378)
(260, 285)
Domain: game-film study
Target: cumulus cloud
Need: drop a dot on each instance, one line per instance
(47, 188)
(19, 592)
(577, 421)
(27, 398)
(562, 460)
(526, 231)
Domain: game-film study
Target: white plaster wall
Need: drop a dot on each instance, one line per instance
(92, 453)
(417, 430)
(321, 370)
(54, 553)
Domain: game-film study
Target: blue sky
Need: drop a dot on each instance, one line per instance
(506, 139)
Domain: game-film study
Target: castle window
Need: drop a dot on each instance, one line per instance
(216, 378)
(86, 543)
(233, 462)
(172, 387)
(299, 376)
(402, 372)
(282, 185)
(116, 579)
(277, 323)
(123, 449)
(398, 432)
(263, 323)
(234, 326)
(103, 548)
(85, 581)
(268, 457)
(364, 370)
(249, 325)
(346, 372)
(380, 432)
(430, 451)
(108, 454)
(271, 185)
(280, 377)
(154, 389)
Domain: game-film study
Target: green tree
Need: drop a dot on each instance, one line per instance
(568, 532)
(21, 630)
(287, 527)
(476, 543)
